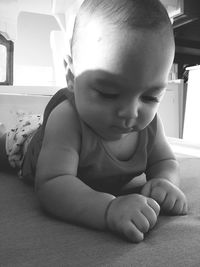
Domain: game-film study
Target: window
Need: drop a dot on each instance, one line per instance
(6, 61)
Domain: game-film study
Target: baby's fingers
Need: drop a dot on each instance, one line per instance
(169, 203)
(146, 190)
(180, 207)
(131, 232)
(142, 222)
(159, 194)
(185, 209)
(154, 205)
(150, 216)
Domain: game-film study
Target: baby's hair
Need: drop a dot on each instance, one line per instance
(128, 14)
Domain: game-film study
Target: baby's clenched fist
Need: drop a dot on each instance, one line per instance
(171, 199)
(132, 216)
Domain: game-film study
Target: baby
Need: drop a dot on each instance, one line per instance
(103, 130)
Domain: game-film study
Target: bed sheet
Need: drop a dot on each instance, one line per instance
(28, 237)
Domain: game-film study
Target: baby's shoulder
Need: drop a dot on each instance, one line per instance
(64, 116)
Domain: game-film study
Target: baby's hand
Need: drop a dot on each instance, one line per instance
(171, 199)
(132, 216)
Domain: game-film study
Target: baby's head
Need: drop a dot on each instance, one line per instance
(99, 20)
(122, 52)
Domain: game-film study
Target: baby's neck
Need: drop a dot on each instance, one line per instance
(124, 148)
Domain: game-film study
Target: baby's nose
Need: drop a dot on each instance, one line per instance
(129, 112)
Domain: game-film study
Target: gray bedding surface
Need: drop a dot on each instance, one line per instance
(28, 237)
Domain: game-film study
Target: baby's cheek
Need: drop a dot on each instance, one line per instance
(145, 117)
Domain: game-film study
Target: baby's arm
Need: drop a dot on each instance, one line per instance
(60, 192)
(65, 196)
(163, 176)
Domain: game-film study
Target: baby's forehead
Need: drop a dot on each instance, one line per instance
(96, 27)
(97, 34)
(91, 34)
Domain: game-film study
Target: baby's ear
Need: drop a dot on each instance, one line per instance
(69, 72)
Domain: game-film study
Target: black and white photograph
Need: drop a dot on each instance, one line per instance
(99, 133)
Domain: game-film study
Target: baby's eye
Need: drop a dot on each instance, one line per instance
(107, 95)
(150, 99)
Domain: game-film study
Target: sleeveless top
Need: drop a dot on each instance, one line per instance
(98, 168)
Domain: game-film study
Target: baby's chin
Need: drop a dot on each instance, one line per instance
(116, 137)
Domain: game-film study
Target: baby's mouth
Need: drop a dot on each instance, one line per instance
(121, 129)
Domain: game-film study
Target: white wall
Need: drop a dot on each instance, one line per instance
(192, 113)
(33, 61)
(171, 109)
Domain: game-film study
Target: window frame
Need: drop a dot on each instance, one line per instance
(9, 61)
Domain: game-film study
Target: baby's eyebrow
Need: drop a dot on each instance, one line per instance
(117, 84)
(157, 89)
(107, 82)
